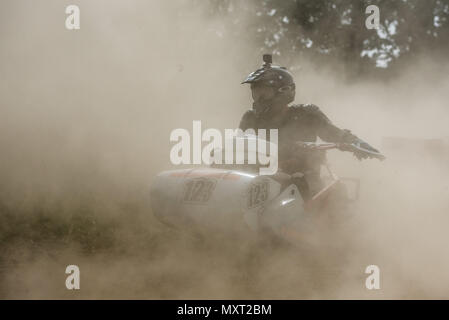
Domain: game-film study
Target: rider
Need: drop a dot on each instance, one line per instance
(273, 88)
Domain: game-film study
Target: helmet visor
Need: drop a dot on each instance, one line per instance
(262, 92)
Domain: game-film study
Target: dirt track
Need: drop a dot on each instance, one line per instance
(84, 126)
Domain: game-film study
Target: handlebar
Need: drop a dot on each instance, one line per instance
(360, 148)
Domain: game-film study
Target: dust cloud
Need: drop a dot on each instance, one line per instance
(84, 126)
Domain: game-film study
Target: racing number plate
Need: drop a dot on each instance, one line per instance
(258, 193)
(198, 190)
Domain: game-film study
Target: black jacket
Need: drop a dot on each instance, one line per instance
(304, 122)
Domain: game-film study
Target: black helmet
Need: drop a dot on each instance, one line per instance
(274, 76)
(271, 75)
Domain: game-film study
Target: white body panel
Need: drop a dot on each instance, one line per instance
(217, 198)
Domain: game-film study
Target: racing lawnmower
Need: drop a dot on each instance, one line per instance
(238, 198)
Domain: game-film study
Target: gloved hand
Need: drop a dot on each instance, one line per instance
(358, 148)
(360, 155)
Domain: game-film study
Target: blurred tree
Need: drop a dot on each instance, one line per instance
(335, 31)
